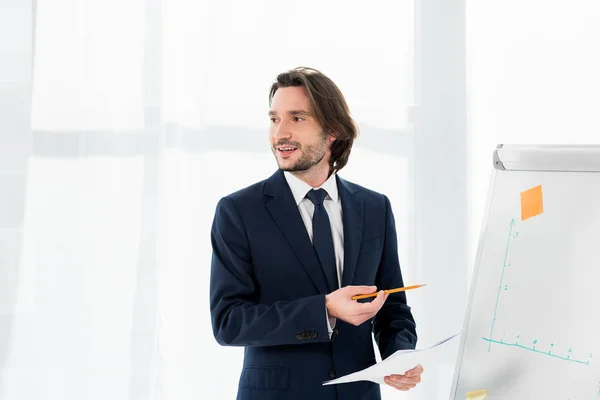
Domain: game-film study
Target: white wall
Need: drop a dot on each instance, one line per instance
(532, 78)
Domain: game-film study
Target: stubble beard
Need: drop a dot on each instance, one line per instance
(312, 154)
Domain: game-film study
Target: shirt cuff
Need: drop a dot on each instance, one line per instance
(330, 323)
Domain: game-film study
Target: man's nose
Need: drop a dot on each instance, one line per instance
(282, 131)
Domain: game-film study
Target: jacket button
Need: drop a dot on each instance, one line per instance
(332, 374)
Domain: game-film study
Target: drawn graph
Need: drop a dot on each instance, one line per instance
(533, 347)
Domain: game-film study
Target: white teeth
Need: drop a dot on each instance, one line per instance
(286, 148)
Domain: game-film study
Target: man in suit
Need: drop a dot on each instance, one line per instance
(289, 253)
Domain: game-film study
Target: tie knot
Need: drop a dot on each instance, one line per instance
(316, 196)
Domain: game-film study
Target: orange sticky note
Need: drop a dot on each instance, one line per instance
(531, 203)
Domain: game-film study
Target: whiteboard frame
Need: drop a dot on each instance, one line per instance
(480, 247)
(581, 158)
(551, 158)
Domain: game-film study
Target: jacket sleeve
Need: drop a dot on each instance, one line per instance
(238, 319)
(394, 326)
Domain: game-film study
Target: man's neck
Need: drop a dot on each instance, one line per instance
(315, 176)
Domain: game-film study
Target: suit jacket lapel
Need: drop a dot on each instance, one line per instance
(282, 207)
(352, 216)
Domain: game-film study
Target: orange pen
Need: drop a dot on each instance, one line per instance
(402, 289)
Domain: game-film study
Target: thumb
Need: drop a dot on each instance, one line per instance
(381, 297)
(355, 290)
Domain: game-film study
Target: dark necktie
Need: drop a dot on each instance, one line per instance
(322, 239)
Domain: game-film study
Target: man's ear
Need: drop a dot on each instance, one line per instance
(330, 141)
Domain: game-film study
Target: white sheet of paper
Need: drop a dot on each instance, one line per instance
(398, 363)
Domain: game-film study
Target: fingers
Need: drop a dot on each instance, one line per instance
(397, 386)
(365, 311)
(358, 290)
(379, 300)
(375, 305)
(402, 382)
(418, 370)
(406, 380)
(357, 313)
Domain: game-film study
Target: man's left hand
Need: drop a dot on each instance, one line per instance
(405, 382)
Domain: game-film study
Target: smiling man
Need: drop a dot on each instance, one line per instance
(289, 253)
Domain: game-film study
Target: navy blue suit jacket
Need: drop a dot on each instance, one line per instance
(267, 292)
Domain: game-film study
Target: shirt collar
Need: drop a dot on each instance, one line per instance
(300, 188)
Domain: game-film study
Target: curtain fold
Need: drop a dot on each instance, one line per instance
(124, 123)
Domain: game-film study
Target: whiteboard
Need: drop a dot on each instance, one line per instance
(532, 326)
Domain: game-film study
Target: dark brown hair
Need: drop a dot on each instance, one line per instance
(329, 108)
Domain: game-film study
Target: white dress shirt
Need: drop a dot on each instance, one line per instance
(333, 206)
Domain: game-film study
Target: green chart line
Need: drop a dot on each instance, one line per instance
(512, 224)
(516, 344)
(548, 353)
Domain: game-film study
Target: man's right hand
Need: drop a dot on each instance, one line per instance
(340, 304)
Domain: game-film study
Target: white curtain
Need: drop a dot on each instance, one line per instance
(123, 123)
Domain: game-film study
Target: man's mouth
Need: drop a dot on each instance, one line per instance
(285, 151)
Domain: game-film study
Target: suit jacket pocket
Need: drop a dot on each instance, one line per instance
(265, 378)
(370, 245)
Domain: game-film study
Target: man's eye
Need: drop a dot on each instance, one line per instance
(298, 119)
(273, 120)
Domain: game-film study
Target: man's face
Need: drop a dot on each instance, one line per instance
(297, 140)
